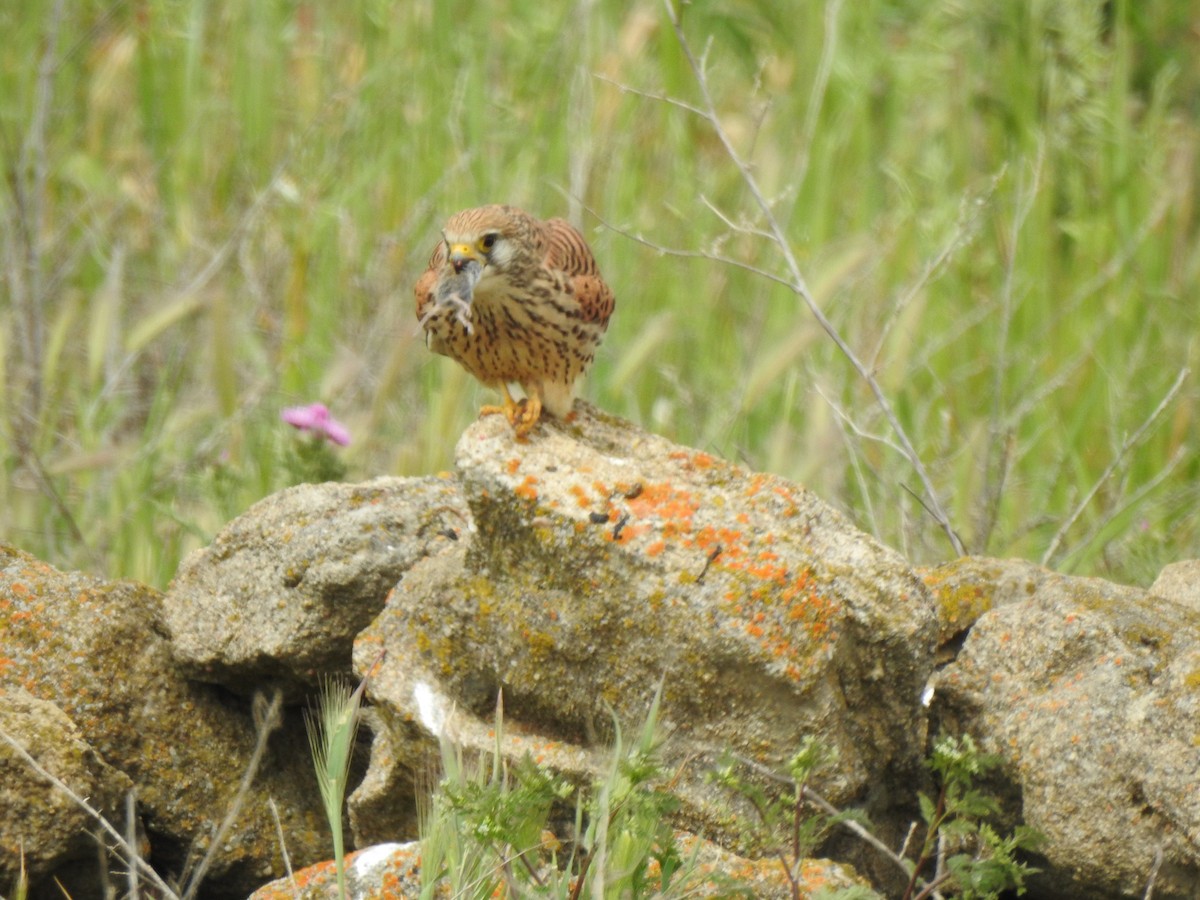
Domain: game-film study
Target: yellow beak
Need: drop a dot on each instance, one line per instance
(461, 254)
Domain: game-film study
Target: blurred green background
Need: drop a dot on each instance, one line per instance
(212, 210)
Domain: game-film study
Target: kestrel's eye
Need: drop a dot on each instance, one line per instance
(488, 241)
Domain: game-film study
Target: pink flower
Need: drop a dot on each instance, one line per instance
(315, 418)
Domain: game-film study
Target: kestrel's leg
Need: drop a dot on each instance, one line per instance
(510, 408)
(531, 411)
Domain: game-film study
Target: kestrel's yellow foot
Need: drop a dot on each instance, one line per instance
(510, 408)
(527, 418)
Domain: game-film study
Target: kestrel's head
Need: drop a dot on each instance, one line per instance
(499, 238)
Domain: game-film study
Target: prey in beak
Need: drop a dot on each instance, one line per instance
(456, 286)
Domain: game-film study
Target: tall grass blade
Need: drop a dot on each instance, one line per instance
(332, 731)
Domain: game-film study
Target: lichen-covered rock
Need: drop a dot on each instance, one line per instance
(383, 872)
(95, 650)
(40, 826)
(278, 597)
(605, 559)
(393, 872)
(1091, 694)
(963, 590)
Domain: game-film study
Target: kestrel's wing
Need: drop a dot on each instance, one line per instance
(568, 252)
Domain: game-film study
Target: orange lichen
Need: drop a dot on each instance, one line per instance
(768, 572)
(512, 465)
(708, 536)
(627, 533)
(526, 490)
(663, 501)
(656, 548)
(757, 483)
(676, 527)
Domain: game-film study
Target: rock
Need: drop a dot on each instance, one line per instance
(765, 878)
(1179, 582)
(605, 559)
(384, 870)
(393, 870)
(95, 649)
(963, 590)
(1090, 692)
(40, 824)
(576, 573)
(278, 597)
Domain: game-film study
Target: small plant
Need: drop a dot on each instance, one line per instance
(331, 734)
(489, 829)
(972, 861)
(790, 825)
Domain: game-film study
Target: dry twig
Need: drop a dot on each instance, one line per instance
(794, 279)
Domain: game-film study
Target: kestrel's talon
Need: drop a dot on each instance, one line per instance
(510, 408)
(516, 299)
(530, 414)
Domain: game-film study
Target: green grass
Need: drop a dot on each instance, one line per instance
(227, 205)
(488, 829)
(332, 730)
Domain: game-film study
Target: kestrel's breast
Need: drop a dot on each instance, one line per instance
(542, 331)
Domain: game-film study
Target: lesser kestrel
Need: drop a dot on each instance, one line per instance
(516, 299)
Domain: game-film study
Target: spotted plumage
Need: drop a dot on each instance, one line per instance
(515, 299)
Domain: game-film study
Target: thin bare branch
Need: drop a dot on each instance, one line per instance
(858, 430)
(651, 95)
(690, 254)
(1130, 442)
(734, 226)
(800, 286)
